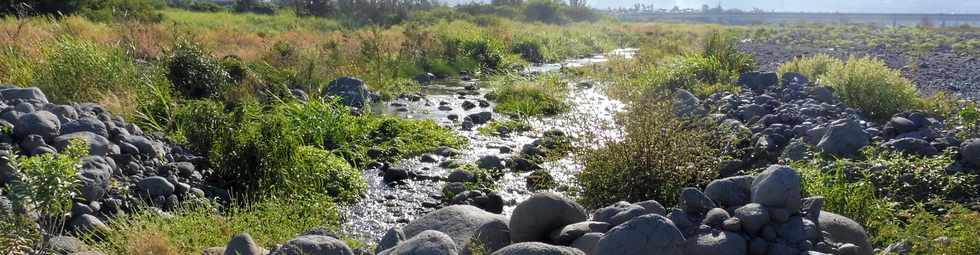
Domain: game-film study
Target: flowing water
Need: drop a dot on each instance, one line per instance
(385, 206)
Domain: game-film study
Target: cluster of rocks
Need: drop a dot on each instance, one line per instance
(762, 214)
(790, 119)
(125, 168)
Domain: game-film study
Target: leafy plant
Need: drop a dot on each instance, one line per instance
(47, 183)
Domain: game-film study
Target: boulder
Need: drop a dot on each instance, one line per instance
(844, 138)
(694, 202)
(717, 243)
(899, 125)
(32, 94)
(42, 123)
(490, 162)
(753, 217)
(94, 174)
(66, 245)
(243, 244)
(568, 234)
(97, 145)
(913, 146)
(144, 145)
(758, 81)
(798, 229)
(778, 186)
(87, 223)
(86, 124)
(622, 211)
(351, 91)
(715, 217)
(462, 223)
(536, 248)
(841, 230)
(587, 242)
(314, 245)
(652, 206)
(970, 152)
(155, 186)
(686, 104)
(647, 234)
(733, 191)
(429, 242)
(535, 218)
(480, 117)
(391, 238)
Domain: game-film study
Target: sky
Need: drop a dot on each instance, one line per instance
(872, 6)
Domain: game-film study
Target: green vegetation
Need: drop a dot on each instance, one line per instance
(811, 66)
(869, 85)
(505, 127)
(47, 184)
(530, 97)
(660, 155)
(195, 227)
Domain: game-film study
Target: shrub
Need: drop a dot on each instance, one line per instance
(47, 184)
(922, 231)
(659, 155)
(722, 48)
(811, 66)
(193, 228)
(82, 71)
(194, 73)
(869, 85)
(547, 11)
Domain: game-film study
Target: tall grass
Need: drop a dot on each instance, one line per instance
(869, 85)
(531, 97)
(811, 66)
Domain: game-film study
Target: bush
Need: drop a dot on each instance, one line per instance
(811, 66)
(47, 184)
(195, 227)
(82, 71)
(194, 73)
(869, 85)
(659, 155)
(547, 11)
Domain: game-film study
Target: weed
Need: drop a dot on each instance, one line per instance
(811, 66)
(47, 184)
(539, 96)
(869, 85)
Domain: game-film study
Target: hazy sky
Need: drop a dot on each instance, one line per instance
(917, 6)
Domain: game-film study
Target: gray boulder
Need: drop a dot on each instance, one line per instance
(970, 152)
(570, 233)
(42, 123)
(87, 223)
(733, 191)
(429, 242)
(155, 186)
(243, 244)
(144, 145)
(753, 217)
(480, 117)
(535, 218)
(97, 145)
(913, 146)
(463, 223)
(686, 104)
(841, 230)
(536, 248)
(653, 206)
(86, 124)
(717, 243)
(758, 81)
(693, 201)
(647, 234)
(390, 239)
(314, 245)
(31, 94)
(715, 217)
(351, 91)
(778, 186)
(622, 211)
(587, 242)
(490, 162)
(94, 174)
(844, 138)
(798, 229)
(66, 245)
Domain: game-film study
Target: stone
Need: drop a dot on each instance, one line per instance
(839, 229)
(899, 125)
(587, 242)
(155, 186)
(729, 192)
(647, 234)
(797, 229)
(753, 217)
(480, 118)
(66, 245)
(970, 152)
(717, 243)
(97, 145)
(394, 175)
(94, 174)
(490, 162)
(314, 245)
(758, 81)
(42, 123)
(758, 246)
(460, 176)
(844, 138)
(86, 124)
(652, 206)
(536, 248)
(693, 201)
(715, 217)
(87, 223)
(912, 146)
(686, 104)
(571, 232)
(243, 244)
(535, 218)
(462, 223)
(32, 94)
(351, 91)
(778, 186)
(429, 242)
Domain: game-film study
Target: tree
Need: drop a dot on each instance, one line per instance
(41, 6)
(245, 5)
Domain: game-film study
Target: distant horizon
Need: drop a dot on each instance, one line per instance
(794, 6)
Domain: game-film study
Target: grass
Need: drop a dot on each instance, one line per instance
(869, 85)
(811, 66)
(504, 127)
(283, 21)
(193, 228)
(540, 96)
